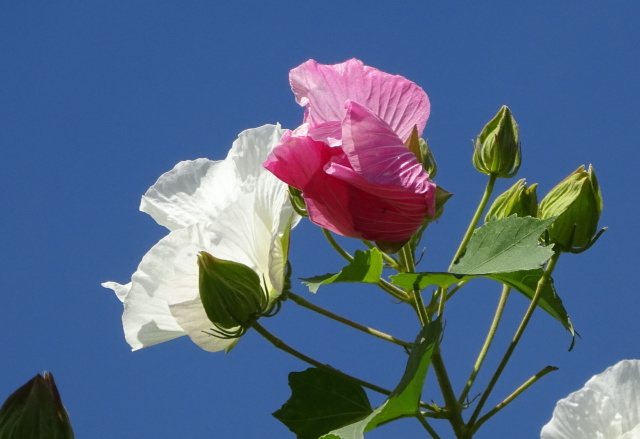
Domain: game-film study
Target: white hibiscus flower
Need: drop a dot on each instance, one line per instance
(233, 209)
(607, 407)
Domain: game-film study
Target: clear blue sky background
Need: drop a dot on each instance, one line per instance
(98, 99)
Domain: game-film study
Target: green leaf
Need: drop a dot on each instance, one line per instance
(321, 401)
(405, 399)
(504, 246)
(35, 411)
(366, 267)
(525, 282)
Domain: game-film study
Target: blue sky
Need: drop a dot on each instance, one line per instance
(98, 99)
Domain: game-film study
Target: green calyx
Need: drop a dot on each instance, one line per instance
(518, 200)
(497, 148)
(577, 202)
(232, 294)
(421, 150)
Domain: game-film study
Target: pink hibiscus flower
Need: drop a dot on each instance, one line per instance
(349, 157)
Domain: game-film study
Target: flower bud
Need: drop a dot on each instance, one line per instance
(497, 148)
(35, 411)
(232, 294)
(518, 200)
(577, 203)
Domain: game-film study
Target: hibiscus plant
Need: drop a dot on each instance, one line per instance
(356, 167)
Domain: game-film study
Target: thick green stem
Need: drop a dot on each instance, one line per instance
(305, 303)
(487, 343)
(513, 396)
(476, 217)
(453, 409)
(518, 334)
(278, 343)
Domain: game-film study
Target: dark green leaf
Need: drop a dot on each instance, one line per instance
(35, 411)
(366, 267)
(505, 246)
(321, 401)
(525, 282)
(405, 399)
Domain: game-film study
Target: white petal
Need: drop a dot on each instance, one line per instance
(234, 210)
(120, 290)
(607, 407)
(193, 319)
(193, 191)
(198, 190)
(167, 274)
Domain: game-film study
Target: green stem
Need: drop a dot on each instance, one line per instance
(513, 396)
(278, 343)
(305, 303)
(337, 247)
(518, 334)
(427, 427)
(487, 343)
(476, 217)
(451, 404)
(416, 296)
(452, 407)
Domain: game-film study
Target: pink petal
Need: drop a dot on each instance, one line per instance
(377, 154)
(324, 89)
(383, 212)
(300, 162)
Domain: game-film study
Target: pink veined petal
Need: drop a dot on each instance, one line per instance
(384, 212)
(377, 154)
(324, 89)
(300, 162)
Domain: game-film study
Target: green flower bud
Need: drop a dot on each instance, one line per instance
(232, 294)
(423, 153)
(577, 203)
(497, 148)
(35, 411)
(518, 200)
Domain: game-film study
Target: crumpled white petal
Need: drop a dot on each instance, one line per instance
(242, 214)
(607, 407)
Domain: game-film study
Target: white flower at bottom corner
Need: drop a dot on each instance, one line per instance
(607, 407)
(233, 209)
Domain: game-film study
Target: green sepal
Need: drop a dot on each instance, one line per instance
(35, 411)
(232, 293)
(366, 267)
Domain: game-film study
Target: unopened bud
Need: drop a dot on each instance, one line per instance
(577, 203)
(497, 148)
(35, 411)
(518, 200)
(232, 294)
